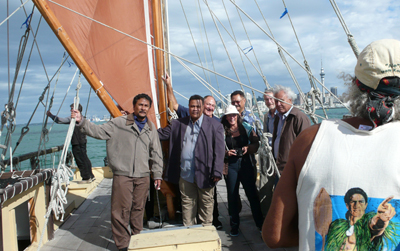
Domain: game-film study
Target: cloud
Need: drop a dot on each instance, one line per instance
(317, 27)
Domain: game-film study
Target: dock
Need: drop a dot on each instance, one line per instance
(89, 226)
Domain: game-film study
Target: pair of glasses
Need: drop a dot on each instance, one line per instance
(235, 102)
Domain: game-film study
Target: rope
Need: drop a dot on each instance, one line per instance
(191, 34)
(172, 114)
(148, 44)
(61, 176)
(98, 89)
(87, 104)
(241, 51)
(8, 17)
(350, 37)
(209, 49)
(188, 61)
(283, 49)
(202, 81)
(65, 96)
(40, 56)
(244, 66)
(44, 133)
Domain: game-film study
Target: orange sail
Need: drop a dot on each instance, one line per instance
(98, 28)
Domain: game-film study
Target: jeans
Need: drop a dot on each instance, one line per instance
(240, 170)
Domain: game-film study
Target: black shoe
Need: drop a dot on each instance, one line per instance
(123, 249)
(234, 232)
(217, 224)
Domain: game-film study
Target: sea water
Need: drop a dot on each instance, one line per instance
(96, 149)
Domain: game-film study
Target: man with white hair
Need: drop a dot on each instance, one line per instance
(289, 123)
(312, 207)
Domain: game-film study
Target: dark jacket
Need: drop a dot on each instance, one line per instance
(294, 124)
(253, 145)
(77, 137)
(209, 151)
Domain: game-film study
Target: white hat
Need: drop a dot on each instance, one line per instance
(231, 109)
(378, 60)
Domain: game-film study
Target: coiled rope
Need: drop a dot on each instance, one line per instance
(60, 179)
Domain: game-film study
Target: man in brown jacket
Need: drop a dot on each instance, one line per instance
(132, 142)
(289, 123)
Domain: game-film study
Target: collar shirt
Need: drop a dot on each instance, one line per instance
(140, 124)
(251, 119)
(269, 125)
(282, 118)
(188, 145)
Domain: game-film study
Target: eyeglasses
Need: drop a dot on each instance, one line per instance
(236, 102)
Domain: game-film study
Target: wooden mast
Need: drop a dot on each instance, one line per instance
(168, 189)
(159, 42)
(72, 50)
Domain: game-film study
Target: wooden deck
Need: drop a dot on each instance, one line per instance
(89, 227)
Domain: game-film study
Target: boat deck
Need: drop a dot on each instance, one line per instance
(89, 227)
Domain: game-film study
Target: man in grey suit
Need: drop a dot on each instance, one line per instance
(196, 159)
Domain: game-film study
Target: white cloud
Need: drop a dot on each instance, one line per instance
(320, 33)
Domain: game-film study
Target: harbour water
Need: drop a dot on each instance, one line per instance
(96, 149)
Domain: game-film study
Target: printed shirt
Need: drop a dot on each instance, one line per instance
(188, 145)
(362, 164)
(251, 119)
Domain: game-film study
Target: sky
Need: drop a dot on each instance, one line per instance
(321, 35)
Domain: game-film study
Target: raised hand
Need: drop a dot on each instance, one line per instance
(385, 213)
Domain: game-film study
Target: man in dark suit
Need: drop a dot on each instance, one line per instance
(196, 156)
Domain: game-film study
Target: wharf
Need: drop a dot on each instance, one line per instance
(89, 227)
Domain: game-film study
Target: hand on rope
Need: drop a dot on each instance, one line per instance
(60, 180)
(172, 114)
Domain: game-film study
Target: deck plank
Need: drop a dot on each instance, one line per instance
(89, 227)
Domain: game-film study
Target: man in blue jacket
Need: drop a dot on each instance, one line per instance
(196, 157)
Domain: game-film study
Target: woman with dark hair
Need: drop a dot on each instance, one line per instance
(241, 143)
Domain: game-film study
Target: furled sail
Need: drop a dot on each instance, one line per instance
(98, 28)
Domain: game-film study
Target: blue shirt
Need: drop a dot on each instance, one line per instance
(188, 145)
(140, 124)
(282, 118)
(251, 119)
(184, 112)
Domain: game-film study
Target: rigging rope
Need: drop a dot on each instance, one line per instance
(44, 132)
(9, 113)
(61, 176)
(350, 37)
(8, 17)
(209, 49)
(223, 42)
(188, 61)
(283, 49)
(25, 129)
(244, 66)
(191, 34)
(315, 91)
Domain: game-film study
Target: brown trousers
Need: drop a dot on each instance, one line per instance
(128, 198)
